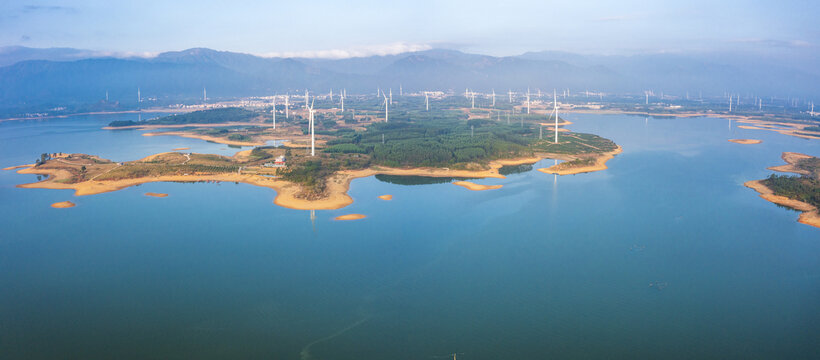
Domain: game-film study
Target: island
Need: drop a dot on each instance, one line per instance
(801, 193)
(746, 141)
(452, 142)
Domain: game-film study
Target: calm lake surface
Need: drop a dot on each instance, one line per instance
(664, 255)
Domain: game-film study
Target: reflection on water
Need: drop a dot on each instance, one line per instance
(418, 180)
(514, 169)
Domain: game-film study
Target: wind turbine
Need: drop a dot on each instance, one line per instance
(331, 95)
(312, 135)
(472, 96)
(528, 101)
(426, 101)
(385, 107)
(510, 93)
(274, 112)
(342, 100)
(555, 111)
(204, 96)
(139, 98)
(286, 106)
(493, 97)
(730, 103)
(391, 96)
(401, 93)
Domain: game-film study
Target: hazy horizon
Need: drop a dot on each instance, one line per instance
(365, 28)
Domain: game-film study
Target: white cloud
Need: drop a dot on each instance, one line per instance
(362, 51)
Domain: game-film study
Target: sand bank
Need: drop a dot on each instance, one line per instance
(791, 158)
(746, 141)
(386, 197)
(218, 140)
(476, 187)
(810, 215)
(160, 195)
(182, 148)
(350, 217)
(600, 164)
(18, 167)
(62, 204)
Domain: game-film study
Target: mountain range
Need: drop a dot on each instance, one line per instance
(34, 78)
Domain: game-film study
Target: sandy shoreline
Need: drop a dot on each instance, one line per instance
(745, 141)
(600, 164)
(18, 167)
(386, 197)
(159, 195)
(791, 158)
(204, 137)
(810, 214)
(476, 187)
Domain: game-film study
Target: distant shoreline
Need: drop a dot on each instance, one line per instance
(148, 111)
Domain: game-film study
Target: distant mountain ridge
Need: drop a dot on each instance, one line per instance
(45, 77)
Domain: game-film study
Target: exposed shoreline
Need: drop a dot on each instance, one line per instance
(810, 215)
(600, 164)
(204, 137)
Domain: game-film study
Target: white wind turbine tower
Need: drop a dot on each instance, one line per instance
(274, 112)
(331, 95)
(426, 101)
(342, 100)
(139, 98)
(493, 97)
(385, 108)
(555, 111)
(287, 96)
(204, 96)
(307, 98)
(472, 97)
(528, 101)
(510, 93)
(312, 135)
(401, 93)
(391, 95)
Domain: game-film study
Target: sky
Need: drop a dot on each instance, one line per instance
(338, 29)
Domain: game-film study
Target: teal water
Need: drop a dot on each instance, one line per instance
(546, 267)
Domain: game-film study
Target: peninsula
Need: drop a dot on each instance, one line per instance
(801, 193)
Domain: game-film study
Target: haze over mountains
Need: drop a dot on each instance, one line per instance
(59, 76)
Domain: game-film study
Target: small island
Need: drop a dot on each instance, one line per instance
(63, 204)
(349, 217)
(801, 193)
(746, 141)
(453, 142)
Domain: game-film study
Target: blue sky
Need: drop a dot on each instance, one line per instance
(363, 27)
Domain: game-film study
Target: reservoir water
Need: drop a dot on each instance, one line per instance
(664, 255)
